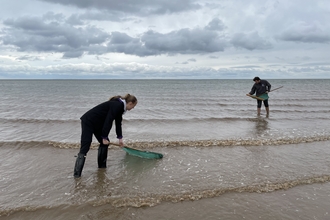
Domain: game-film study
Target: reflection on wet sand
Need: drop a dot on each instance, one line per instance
(261, 126)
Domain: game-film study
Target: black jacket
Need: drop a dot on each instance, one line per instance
(102, 116)
(260, 88)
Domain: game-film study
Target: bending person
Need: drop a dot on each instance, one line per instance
(260, 87)
(98, 121)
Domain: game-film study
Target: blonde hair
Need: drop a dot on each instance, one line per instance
(128, 98)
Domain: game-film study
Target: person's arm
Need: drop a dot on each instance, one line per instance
(269, 86)
(112, 113)
(107, 125)
(253, 90)
(119, 133)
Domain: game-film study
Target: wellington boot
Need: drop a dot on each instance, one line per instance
(79, 165)
(102, 156)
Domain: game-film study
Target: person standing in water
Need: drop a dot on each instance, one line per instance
(98, 121)
(260, 87)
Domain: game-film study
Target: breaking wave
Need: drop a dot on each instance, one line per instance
(183, 143)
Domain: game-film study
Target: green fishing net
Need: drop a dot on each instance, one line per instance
(264, 96)
(143, 154)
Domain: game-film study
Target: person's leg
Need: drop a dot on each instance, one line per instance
(102, 154)
(266, 106)
(258, 106)
(85, 143)
(86, 138)
(79, 165)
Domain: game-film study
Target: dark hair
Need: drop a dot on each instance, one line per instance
(256, 78)
(128, 98)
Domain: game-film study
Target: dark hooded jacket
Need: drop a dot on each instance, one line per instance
(102, 116)
(260, 88)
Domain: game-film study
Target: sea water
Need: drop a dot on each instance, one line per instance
(221, 160)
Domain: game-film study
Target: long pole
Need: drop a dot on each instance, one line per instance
(276, 89)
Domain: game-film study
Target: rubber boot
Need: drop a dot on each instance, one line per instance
(102, 156)
(79, 165)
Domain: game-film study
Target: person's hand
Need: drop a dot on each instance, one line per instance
(267, 92)
(121, 143)
(105, 141)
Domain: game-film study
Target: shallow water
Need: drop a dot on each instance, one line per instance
(221, 161)
(40, 177)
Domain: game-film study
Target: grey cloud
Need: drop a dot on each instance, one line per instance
(73, 54)
(133, 7)
(53, 16)
(101, 16)
(121, 38)
(215, 25)
(184, 41)
(280, 58)
(251, 41)
(316, 64)
(30, 58)
(122, 43)
(304, 58)
(316, 69)
(75, 20)
(245, 67)
(36, 34)
(306, 33)
(124, 70)
(46, 34)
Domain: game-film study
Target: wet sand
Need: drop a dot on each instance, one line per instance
(289, 181)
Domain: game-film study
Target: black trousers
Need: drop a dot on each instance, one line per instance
(259, 102)
(87, 131)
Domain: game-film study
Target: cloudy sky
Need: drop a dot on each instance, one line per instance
(164, 39)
